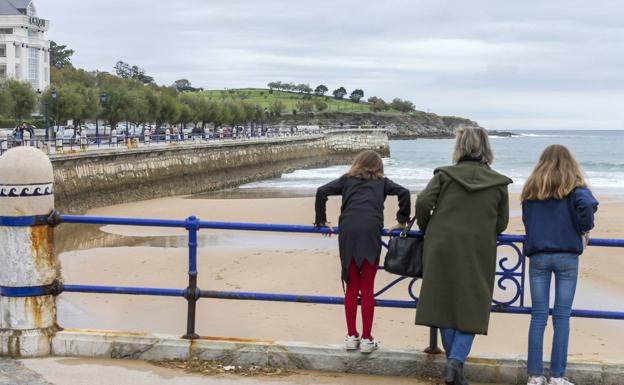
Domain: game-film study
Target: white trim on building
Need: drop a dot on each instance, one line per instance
(24, 50)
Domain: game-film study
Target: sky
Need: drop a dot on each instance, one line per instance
(530, 64)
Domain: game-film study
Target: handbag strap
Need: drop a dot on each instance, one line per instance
(408, 227)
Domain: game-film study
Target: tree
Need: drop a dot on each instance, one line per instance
(377, 104)
(138, 74)
(304, 88)
(321, 89)
(21, 99)
(356, 95)
(184, 85)
(339, 93)
(122, 69)
(276, 107)
(60, 55)
(116, 107)
(126, 71)
(88, 105)
(402, 105)
(169, 110)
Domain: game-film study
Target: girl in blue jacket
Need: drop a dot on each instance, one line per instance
(558, 213)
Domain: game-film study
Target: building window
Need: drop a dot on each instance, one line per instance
(33, 67)
(2, 50)
(45, 74)
(18, 74)
(32, 32)
(3, 71)
(45, 57)
(6, 31)
(18, 51)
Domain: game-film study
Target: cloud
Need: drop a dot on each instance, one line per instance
(529, 64)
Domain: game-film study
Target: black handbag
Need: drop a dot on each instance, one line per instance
(404, 255)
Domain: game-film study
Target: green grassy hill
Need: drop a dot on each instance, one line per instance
(263, 97)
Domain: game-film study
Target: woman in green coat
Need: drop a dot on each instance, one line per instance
(461, 211)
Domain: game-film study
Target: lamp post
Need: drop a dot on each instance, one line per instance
(103, 99)
(53, 94)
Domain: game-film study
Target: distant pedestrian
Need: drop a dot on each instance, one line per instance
(558, 213)
(364, 189)
(461, 211)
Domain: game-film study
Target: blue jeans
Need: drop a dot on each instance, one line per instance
(457, 344)
(565, 268)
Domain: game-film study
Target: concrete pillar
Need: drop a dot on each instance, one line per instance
(167, 136)
(26, 138)
(114, 138)
(29, 265)
(147, 137)
(59, 141)
(83, 141)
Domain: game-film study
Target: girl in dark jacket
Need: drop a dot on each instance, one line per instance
(558, 213)
(364, 190)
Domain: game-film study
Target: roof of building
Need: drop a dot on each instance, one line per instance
(13, 7)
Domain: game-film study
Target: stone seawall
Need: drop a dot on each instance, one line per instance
(100, 178)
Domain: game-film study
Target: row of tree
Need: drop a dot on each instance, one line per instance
(377, 104)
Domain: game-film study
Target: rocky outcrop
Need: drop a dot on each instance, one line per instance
(417, 124)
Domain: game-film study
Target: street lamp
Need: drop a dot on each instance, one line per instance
(45, 109)
(103, 99)
(53, 94)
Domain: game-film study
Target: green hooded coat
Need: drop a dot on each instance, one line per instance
(461, 211)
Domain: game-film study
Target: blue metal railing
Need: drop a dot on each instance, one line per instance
(510, 279)
(511, 272)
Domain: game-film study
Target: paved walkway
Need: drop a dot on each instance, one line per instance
(79, 371)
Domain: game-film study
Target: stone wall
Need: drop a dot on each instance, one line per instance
(100, 178)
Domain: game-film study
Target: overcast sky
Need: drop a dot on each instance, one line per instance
(506, 64)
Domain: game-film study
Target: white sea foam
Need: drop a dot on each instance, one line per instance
(601, 155)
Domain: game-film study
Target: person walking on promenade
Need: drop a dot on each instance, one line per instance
(461, 211)
(558, 213)
(364, 189)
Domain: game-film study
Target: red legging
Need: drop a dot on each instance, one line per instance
(361, 281)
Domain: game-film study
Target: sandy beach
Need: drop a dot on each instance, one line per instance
(289, 263)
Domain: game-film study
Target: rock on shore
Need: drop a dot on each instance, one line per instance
(418, 124)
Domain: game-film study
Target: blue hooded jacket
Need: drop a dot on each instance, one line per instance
(558, 225)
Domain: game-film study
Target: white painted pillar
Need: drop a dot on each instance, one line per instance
(167, 136)
(114, 138)
(26, 138)
(29, 265)
(83, 141)
(147, 137)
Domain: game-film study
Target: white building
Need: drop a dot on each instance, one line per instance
(24, 51)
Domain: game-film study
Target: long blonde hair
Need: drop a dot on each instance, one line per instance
(367, 165)
(556, 175)
(472, 142)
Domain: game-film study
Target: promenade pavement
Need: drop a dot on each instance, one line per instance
(80, 371)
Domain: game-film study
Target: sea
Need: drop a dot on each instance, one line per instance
(411, 164)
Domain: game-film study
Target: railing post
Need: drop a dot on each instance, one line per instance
(433, 342)
(192, 292)
(29, 265)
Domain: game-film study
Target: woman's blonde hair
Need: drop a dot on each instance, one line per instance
(367, 165)
(472, 142)
(556, 175)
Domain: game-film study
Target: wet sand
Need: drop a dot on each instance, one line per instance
(290, 263)
(79, 371)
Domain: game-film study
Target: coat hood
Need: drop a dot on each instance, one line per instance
(474, 176)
